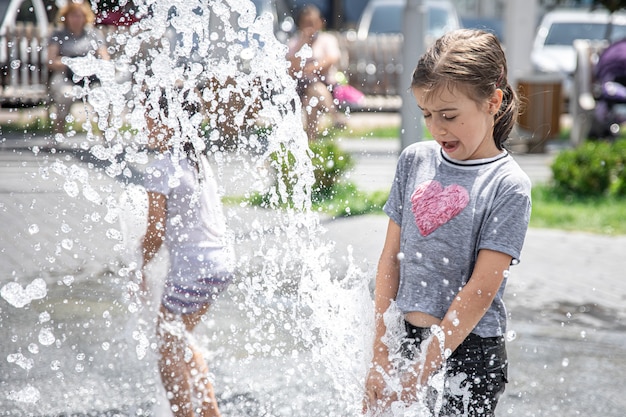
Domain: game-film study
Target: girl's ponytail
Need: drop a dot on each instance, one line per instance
(506, 116)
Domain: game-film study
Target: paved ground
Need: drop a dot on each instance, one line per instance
(567, 298)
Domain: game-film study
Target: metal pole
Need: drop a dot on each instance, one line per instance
(337, 14)
(414, 25)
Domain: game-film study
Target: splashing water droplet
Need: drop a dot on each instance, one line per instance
(21, 361)
(511, 335)
(33, 229)
(67, 244)
(44, 317)
(46, 337)
(71, 188)
(29, 395)
(19, 297)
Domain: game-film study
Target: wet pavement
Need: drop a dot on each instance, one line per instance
(567, 298)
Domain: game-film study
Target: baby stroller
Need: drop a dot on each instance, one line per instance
(610, 91)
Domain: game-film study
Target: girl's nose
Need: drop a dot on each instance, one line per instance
(438, 129)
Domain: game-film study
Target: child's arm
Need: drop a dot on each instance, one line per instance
(387, 282)
(155, 232)
(54, 58)
(469, 306)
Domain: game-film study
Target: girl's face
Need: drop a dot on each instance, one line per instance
(463, 127)
(310, 22)
(75, 20)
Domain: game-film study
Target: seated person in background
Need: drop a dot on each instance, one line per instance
(315, 71)
(76, 38)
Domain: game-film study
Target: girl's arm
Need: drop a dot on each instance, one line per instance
(155, 232)
(468, 307)
(103, 53)
(54, 58)
(295, 44)
(387, 282)
(332, 55)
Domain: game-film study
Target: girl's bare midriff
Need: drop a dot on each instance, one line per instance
(419, 319)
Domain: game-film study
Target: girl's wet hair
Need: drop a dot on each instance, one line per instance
(158, 108)
(474, 62)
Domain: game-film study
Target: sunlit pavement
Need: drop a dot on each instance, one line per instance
(567, 298)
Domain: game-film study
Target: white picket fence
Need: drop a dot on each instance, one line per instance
(23, 70)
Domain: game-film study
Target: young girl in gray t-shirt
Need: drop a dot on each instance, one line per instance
(459, 209)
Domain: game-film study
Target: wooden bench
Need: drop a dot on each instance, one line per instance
(373, 66)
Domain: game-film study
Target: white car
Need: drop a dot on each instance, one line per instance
(386, 17)
(553, 47)
(376, 52)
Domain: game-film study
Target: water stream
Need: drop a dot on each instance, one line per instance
(290, 336)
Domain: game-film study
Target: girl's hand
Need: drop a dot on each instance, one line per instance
(308, 35)
(377, 397)
(414, 381)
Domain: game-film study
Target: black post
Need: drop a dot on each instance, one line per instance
(337, 17)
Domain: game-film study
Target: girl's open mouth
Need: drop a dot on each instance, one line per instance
(450, 146)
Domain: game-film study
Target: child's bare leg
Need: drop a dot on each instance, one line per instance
(175, 373)
(202, 385)
(198, 369)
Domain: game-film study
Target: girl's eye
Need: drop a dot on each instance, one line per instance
(446, 117)
(426, 115)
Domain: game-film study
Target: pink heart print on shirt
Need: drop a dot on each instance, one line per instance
(434, 205)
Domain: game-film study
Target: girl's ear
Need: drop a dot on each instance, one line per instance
(495, 101)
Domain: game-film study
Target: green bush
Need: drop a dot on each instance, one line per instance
(329, 162)
(593, 169)
(618, 186)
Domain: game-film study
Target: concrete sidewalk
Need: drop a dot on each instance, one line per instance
(567, 299)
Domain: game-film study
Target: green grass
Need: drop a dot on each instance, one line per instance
(382, 132)
(602, 215)
(44, 126)
(348, 200)
(35, 125)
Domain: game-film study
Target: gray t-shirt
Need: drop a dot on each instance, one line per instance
(448, 211)
(77, 46)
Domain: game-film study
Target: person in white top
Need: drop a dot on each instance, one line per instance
(77, 37)
(313, 56)
(184, 213)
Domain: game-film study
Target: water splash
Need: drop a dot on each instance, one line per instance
(292, 334)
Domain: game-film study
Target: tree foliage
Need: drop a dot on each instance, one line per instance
(611, 5)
